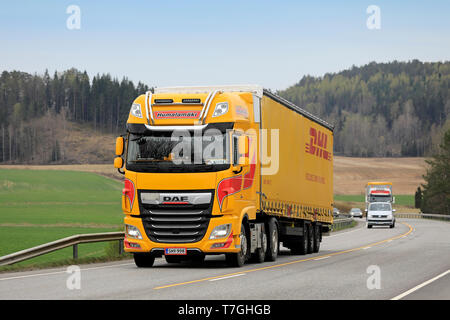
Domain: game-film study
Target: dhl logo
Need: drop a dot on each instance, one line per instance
(318, 144)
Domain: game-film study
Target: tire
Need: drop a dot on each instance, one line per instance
(173, 259)
(260, 254)
(143, 260)
(238, 259)
(392, 225)
(316, 246)
(301, 245)
(273, 243)
(369, 226)
(310, 233)
(198, 259)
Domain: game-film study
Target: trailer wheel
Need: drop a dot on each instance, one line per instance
(143, 260)
(310, 232)
(273, 245)
(239, 259)
(316, 245)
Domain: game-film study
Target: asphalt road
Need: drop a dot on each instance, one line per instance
(358, 263)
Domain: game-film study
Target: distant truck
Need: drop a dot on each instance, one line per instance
(379, 192)
(183, 201)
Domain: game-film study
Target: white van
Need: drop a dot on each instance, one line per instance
(380, 214)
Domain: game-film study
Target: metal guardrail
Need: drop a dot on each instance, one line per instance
(72, 241)
(442, 217)
(342, 222)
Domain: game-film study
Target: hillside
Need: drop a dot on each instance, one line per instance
(381, 109)
(352, 174)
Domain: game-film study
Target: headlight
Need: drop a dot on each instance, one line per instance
(220, 109)
(132, 232)
(136, 110)
(221, 231)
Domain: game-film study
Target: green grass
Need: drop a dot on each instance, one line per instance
(39, 206)
(401, 200)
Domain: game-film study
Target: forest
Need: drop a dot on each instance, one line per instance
(379, 110)
(36, 111)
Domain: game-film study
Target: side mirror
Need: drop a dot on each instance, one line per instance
(119, 146)
(393, 210)
(118, 162)
(243, 143)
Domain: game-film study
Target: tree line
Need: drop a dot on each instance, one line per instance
(381, 109)
(34, 110)
(435, 195)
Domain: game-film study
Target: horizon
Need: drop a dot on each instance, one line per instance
(91, 77)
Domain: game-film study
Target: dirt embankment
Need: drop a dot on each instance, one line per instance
(352, 174)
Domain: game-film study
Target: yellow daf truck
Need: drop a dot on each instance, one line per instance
(231, 170)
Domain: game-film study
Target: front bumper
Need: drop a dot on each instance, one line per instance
(381, 222)
(202, 246)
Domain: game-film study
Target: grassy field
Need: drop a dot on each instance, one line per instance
(38, 206)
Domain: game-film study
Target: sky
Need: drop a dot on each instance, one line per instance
(196, 42)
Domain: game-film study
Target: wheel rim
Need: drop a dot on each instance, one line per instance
(264, 242)
(243, 243)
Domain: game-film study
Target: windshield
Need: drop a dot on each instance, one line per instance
(355, 210)
(380, 207)
(379, 198)
(178, 151)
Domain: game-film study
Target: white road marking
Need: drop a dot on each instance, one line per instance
(60, 272)
(365, 248)
(322, 258)
(404, 294)
(222, 278)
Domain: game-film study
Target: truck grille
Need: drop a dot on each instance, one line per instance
(176, 223)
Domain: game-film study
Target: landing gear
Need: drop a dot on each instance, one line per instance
(301, 245)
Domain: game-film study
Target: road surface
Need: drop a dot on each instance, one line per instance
(411, 261)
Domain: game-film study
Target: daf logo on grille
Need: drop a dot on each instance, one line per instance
(176, 199)
(158, 198)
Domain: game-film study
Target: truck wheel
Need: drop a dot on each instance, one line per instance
(173, 259)
(273, 245)
(239, 259)
(143, 260)
(260, 254)
(310, 231)
(316, 246)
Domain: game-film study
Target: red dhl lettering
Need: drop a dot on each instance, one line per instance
(318, 144)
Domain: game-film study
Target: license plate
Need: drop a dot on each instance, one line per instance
(175, 251)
